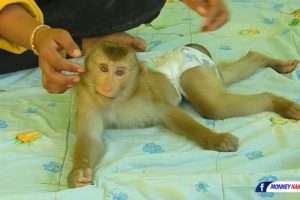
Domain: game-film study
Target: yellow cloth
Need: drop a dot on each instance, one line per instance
(33, 9)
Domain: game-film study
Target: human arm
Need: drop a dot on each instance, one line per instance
(215, 12)
(16, 27)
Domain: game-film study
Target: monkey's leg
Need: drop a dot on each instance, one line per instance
(247, 65)
(209, 97)
(87, 150)
(180, 122)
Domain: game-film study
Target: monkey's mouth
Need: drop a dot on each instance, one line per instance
(104, 97)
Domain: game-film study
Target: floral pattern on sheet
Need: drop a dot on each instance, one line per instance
(225, 47)
(53, 167)
(267, 179)
(296, 18)
(154, 43)
(249, 32)
(296, 99)
(253, 155)
(285, 31)
(280, 121)
(278, 6)
(51, 104)
(298, 73)
(153, 148)
(115, 195)
(269, 21)
(202, 187)
(31, 110)
(27, 137)
(3, 124)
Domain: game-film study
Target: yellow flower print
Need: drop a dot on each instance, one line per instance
(296, 18)
(27, 137)
(250, 32)
(280, 120)
(296, 14)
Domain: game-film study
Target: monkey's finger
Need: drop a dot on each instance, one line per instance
(88, 173)
(85, 180)
(82, 178)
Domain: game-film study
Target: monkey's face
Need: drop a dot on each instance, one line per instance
(110, 80)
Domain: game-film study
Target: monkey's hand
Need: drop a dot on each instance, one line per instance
(223, 142)
(79, 177)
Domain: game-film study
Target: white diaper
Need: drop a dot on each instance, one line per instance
(174, 63)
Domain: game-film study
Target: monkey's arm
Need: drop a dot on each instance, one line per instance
(88, 147)
(180, 122)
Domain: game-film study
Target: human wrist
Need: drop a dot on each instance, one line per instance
(33, 35)
(17, 25)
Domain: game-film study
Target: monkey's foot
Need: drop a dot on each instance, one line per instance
(136, 42)
(223, 142)
(80, 177)
(283, 66)
(293, 111)
(287, 108)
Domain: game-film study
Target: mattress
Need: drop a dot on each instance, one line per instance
(37, 128)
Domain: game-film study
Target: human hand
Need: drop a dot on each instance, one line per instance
(52, 45)
(214, 12)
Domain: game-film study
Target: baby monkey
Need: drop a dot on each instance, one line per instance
(118, 91)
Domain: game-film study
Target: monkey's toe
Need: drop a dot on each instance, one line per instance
(285, 66)
(80, 177)
(224, 142)
(293, 112)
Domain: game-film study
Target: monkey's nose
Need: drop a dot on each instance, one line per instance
(106, 88)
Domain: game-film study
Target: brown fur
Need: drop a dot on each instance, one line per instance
(208, 95)
(115, 52)
(141, 98)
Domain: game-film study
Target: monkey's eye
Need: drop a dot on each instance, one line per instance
(120, 72)
(103, 67)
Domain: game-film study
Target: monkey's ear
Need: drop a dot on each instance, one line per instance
(89, 49)
(142, 68)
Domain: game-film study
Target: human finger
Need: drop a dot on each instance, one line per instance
(64, 39)
(215, 18)
(54, 87)
(57, 61)
(138, 44)
(51, 42)
(54, 81)
(62, 80)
